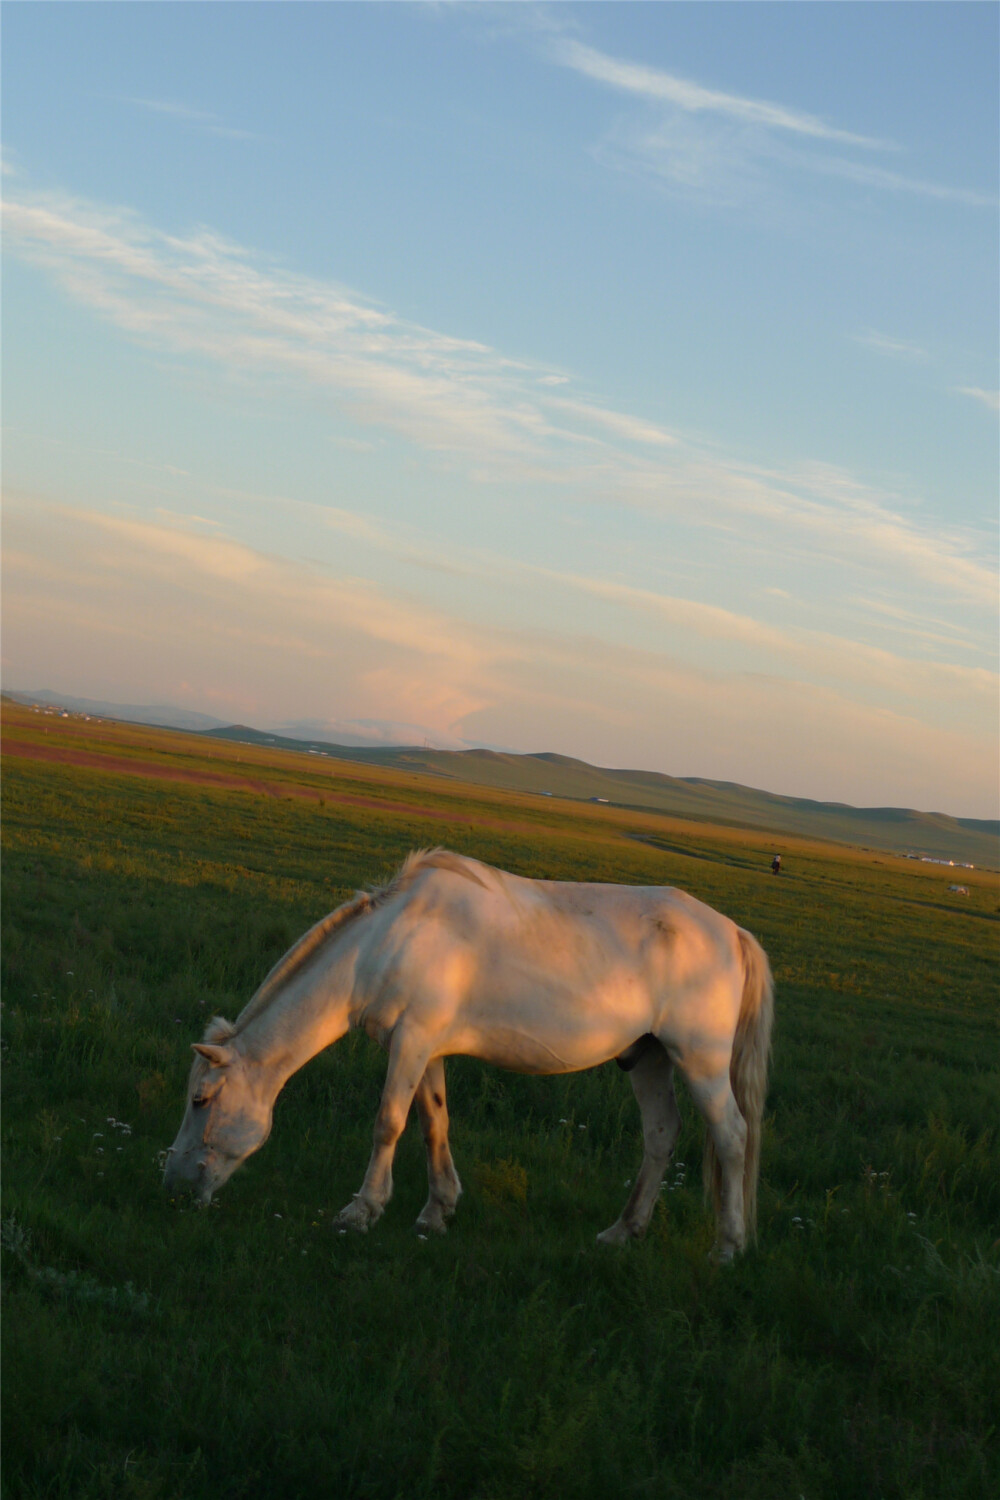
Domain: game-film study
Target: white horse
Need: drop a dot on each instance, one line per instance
(540, 976)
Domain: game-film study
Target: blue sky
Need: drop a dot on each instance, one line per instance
(612, 379)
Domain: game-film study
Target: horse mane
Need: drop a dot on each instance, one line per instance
(433, 859)
(221, 1030)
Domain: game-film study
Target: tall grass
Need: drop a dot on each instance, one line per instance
(155, 1351)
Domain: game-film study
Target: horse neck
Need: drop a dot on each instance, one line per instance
(311, 1011)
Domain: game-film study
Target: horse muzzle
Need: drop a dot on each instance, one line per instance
(188, 1174)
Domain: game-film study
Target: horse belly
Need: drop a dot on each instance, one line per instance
(552, 1034)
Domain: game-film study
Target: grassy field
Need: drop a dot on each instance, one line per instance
(899, 829)
(159, 1352)
(902, 830)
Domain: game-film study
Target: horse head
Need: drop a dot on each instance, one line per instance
(227, 1118)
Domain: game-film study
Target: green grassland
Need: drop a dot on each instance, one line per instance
(152, 1350)
(900, 829)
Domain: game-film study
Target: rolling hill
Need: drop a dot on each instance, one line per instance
(900, 830)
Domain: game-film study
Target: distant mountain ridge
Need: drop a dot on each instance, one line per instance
(160, 715)
(898, 830)
(365, 733)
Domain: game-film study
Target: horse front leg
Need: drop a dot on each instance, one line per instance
(407, 1062)
(652, 1080)
(442, 1179)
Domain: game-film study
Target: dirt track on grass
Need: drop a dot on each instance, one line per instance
(125, 765)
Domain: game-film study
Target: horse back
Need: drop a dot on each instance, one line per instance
(549, 976)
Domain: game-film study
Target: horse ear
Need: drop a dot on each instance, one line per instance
(219, 1057)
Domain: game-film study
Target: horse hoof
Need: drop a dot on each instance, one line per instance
(428, 1226)
(722, 1255)
(355, 1216)
(616, 1235)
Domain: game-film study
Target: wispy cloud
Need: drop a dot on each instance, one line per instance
(897, 182)
(815, 511)
(908, 680)
(633, 429)
(989, 399)
(884, 343)
(186, 113)
(817, 654)
(87, 593)
(205, 296)
(917, 626)
(724, 147)
(200, 297)
(661, 87)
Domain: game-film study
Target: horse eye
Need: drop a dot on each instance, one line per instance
(199, 1103)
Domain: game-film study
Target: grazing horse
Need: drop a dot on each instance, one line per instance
(539, 976)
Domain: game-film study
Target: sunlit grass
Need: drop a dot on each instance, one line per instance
(152, 1350)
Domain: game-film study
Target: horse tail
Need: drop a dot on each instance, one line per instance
(748, 1075)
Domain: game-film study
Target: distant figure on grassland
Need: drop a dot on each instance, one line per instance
(776, 865)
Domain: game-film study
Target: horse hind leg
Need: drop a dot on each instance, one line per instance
(652, 1082)
(728, 1133)
(442, 1179)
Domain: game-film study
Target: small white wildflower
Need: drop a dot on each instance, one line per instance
(581, 1127)
(563, 1122)
(277, 1216)
(341, 1231)
(421, 1236)
(796, 1219)
(628, 1182)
